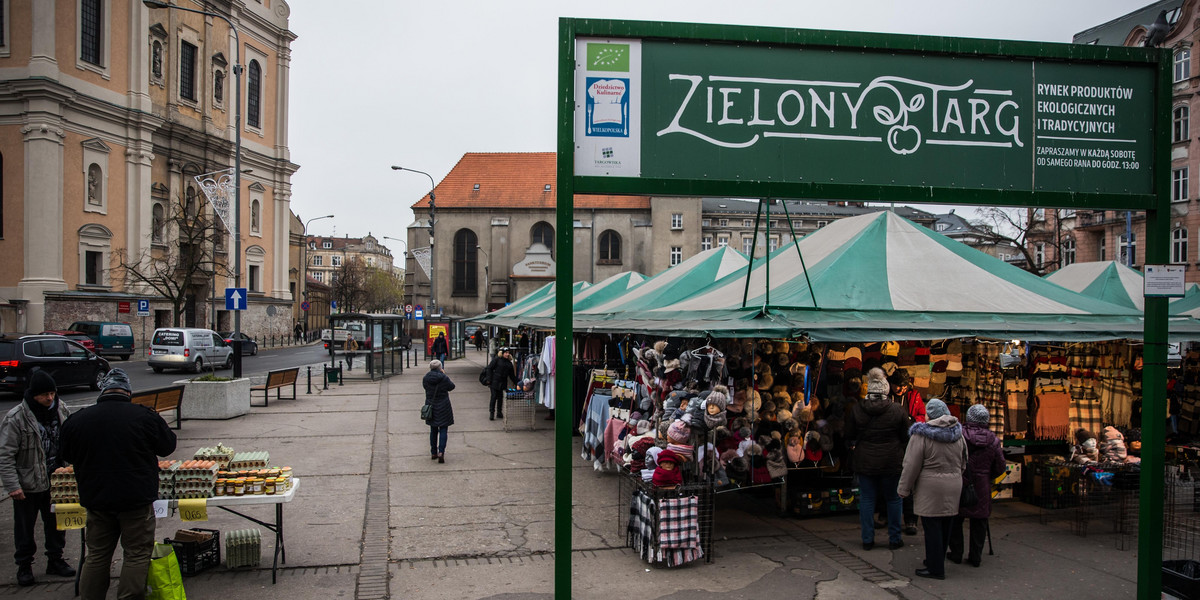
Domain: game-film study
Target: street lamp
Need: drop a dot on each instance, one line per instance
(304, 271)
(237, 170)
(432, 250)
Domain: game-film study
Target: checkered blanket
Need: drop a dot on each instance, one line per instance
(639, 533)
(1085, 413)
(679, 530)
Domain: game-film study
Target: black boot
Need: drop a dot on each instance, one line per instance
(59, 567)
(25, 575)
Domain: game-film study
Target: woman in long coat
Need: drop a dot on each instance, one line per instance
(437, 394)
(933, 468)
(985, 463)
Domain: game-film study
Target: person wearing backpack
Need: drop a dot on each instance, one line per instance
(499, 373)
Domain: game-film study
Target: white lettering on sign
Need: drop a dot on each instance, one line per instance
(1068, 116)
(746, 110)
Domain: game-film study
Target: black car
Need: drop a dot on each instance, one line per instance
(68, 362)
(249, 346)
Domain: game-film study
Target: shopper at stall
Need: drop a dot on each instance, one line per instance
(114, 447)
(29, 452)
(985, 463)
(437, 394)
(876, 431)
(501, 372)
(933, 468)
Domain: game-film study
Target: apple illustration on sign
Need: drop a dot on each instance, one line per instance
(902, 138)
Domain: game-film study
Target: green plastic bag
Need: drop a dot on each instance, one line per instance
(164, 581)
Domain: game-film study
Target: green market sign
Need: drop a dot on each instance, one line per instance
(726, 112)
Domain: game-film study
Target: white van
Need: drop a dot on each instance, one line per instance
(192, 349)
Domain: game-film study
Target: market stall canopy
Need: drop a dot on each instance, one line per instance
(1188, 305)
(679, 281)
(879, 276)
(521, 304)
(518, 313)
(597, 293)
(1107, 280)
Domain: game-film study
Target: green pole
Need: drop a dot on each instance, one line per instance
(1154, 354)
(753, 248)
(563, 327)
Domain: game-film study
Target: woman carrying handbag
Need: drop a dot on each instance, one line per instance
(439, 414)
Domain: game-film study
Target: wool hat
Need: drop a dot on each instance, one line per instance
(40, 382)
(977, 414)
(679, 432)
(936, 408)
(116, 379)
(877, 382)
(1111, 434)
(719, 397)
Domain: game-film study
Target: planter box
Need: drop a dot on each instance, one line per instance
(215, 399)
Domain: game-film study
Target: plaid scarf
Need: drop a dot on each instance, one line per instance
(639, 533)
(1052, 419)
(679, 530)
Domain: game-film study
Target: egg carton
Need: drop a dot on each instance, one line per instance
(208, 473)
(250, 460)
(64, 499)
(194, 493)
(220, 453)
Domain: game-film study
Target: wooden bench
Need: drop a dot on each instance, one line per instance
(276, 380)
(162, 400)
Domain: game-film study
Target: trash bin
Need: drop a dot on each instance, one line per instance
(333, 374)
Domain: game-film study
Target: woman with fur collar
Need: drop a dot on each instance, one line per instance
(933, 468)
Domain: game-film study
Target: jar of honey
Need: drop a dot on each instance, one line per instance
(239, 486)
(269, 486)
(219, 489)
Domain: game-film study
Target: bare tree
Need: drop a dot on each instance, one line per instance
(182, 257)
(1023, 229)
(349, 284)
(384, 292)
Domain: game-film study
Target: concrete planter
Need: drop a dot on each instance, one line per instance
(215, 399)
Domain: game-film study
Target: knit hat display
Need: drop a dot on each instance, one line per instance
(877, 382)
(40, 382)
(679, 432)
(667, 472)
(1111, 434)
(116, 380)
(936, 408)
(977, 414)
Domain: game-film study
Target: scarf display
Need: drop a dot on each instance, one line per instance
(679, 530)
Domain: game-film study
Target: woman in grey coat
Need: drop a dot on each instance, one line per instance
(437, 394)
(933, 469)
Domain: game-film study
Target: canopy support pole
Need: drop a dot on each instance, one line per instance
(753, 249)
(796, 242)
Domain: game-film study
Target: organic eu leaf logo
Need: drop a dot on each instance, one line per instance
(608, 57)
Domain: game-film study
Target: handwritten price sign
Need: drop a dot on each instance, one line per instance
(70, 516)
(193, 509)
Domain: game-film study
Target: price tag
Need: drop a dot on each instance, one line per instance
(162, 509)
(193, 509)
(70, 516)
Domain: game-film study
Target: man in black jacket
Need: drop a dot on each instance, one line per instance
(115, 446)
(501, 372)
(877, 431)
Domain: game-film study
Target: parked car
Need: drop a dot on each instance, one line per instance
(68, 362)
(111, 338)
(74, 336)
(249, 346)
(188, 349)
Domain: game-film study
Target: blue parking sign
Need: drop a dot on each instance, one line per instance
(143, 308)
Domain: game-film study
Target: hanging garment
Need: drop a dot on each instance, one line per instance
(679, 530)
(1052, 421)
(639, 533)
(593, 429)
(547, 367)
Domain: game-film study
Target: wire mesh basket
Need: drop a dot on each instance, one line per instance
(519, 408)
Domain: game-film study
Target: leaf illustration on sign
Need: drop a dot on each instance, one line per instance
(607, 57)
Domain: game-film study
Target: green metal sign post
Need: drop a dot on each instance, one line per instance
(722, 111)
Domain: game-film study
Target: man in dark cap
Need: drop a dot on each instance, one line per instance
(29, 452)
(115, 446)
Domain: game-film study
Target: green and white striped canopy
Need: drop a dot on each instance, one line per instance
(682, 280)
(1107, 280)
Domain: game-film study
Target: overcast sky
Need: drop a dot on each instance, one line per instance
(376, 83)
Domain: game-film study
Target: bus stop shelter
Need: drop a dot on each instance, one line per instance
(382, 352)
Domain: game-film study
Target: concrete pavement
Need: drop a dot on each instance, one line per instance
(376, 518)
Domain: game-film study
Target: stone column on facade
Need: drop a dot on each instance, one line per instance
(138, 204)
(283, 71)
(280, 247)
(43, 235)
(42, 62)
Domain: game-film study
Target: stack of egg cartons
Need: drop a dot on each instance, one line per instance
(221, 453)
(195, 479)
(243, 548)
(62, 486)
(166, 479)
(250, 460)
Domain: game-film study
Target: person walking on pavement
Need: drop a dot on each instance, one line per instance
(877, 429)
(299, 331)
(29, 452)
(933, 467)
(500, 372)
(985, 463)
(437, 394)
(115, 446)
(440, 348)
(350, 348)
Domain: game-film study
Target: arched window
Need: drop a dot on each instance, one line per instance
(255, 216)
(1179, 246)
(610, 248)
(1068, 251)
(254, 95)
(1183, 64)
(466, 263)
(542, 233)
(158, 221)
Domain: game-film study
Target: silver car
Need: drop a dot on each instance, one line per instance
(188, 349)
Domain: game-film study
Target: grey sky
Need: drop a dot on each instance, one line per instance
(380, 82)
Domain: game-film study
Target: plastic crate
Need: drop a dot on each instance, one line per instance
(195, 556)
(1181, 578)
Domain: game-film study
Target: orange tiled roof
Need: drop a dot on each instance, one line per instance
(513, 180)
